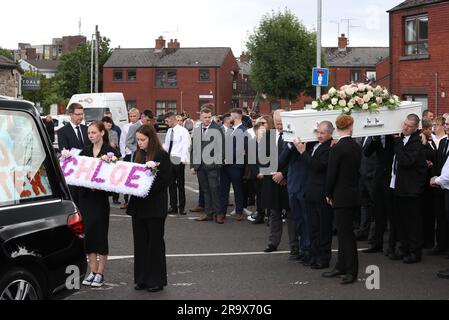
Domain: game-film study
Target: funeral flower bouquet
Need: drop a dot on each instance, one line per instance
(109, 157)
(153, 166)
(66, 154)
(356, 97)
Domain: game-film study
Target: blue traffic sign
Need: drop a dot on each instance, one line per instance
(320, 77)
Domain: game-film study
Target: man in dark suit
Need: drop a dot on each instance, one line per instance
(74, 135)
(319, 212)
(408, 179)
(233, 169)
(342, 193)
(206, 161)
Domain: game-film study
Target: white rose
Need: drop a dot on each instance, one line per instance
(379, 100)
(365, 106)
(342, 95)
(331, 107)
(349, 91)
(332, 91)
(342, 103)
(378, 88)
(366, 98)
(370, 94)
(314, 104)
(350, 105)
(391, 101)
(346, 110)
(334, 101)
(361, 87)
(385, 92)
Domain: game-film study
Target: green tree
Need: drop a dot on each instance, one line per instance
(282, 54)
(74, 69)
(6, 53)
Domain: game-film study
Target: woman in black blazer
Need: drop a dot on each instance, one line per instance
(149, 214)
(94, 206)
(342, 190)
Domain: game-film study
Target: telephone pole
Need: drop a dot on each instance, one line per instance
(318, 46)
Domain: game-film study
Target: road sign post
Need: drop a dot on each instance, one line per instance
(320, 77)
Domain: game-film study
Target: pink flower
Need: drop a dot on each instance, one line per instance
(110, 154)
(325, 97)
(66, 153)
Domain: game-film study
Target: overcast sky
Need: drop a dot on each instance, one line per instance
(195, 23)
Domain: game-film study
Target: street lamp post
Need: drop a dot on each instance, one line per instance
(318, 45)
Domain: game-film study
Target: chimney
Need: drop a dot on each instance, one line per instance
(160, 43)
(173, 44)
(342, 42)
(244, 57)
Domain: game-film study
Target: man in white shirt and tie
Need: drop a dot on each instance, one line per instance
(177, 144)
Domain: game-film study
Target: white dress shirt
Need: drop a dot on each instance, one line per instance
(393, 174)
(443, 179)
(74, 126)
(181, 142)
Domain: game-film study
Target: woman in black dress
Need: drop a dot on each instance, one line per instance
(94, 207)
(149, 214)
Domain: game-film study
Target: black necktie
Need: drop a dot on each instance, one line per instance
(172, 134)
(204, 130)
(79, 136)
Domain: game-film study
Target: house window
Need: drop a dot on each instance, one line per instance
(162, 107)
(371, 76)
(132, 75)
(166, 79)
(118, 75)
(355, 75)
(131, 104)
(204, 75)
(416, 35)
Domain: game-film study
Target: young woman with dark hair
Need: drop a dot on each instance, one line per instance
(149, 214)
(94, 207)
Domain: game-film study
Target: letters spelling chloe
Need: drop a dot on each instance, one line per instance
(121, 177)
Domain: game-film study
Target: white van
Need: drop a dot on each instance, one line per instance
(95, 104)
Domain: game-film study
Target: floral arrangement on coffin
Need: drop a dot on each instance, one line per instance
(356, 96)
(153, 166)
(109, 157)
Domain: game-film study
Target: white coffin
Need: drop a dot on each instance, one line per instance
(303, 123)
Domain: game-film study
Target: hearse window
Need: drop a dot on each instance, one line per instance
(23, 160)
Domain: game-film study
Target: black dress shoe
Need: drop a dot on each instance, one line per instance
(443, 274)
(171, 211)
(140, 287)
(318, 266)
(307, 261)
(435, 251)
(373, 249)
(270, 248)
(347, 279)
(155, 289)
(182, 212)
(332, 274)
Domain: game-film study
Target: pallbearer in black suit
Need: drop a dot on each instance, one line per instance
(342, 193)
(149, 214)
(408, 179)
(94, 207)
(319, 212)
(74, 135)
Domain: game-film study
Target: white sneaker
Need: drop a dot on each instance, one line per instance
(98, 281)
(89, 279)
(250, 218)
(232, 213)
(247, 212)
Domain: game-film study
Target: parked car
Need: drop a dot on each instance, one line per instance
(41, 230)
(160, 123)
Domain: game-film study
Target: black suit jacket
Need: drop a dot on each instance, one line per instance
(196, 154)
(67, 138)
(384, 153)
(441, 157)
(316, 181)
(155, 204)
(411, 172)
(343, 173)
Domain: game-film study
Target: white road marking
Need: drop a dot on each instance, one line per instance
(120, 216)
(215, 254)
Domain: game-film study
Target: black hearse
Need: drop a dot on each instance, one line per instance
(41, 230)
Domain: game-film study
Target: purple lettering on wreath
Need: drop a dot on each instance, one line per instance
(131, 177)
(65, 163)
(97, 170)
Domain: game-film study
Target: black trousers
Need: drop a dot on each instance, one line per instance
(209, 180)
(442, 229)
(428, 217)
(150, 266)
(320, 216)
(347, 246)
(177, 186)
(410, 222)
(382, 210)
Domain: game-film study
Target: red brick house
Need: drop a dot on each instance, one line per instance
(172, 78)
(419, 56)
